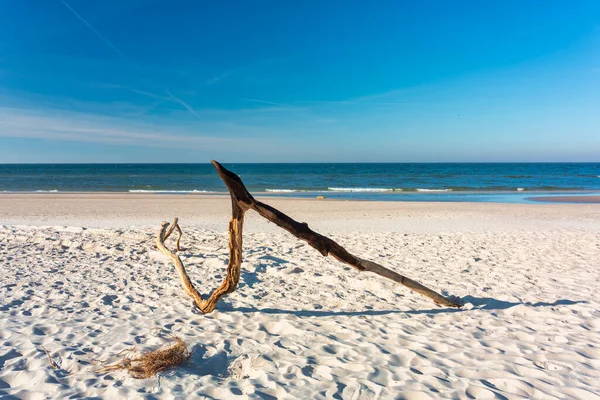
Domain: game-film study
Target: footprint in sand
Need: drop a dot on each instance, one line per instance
(474, 392)
(41, 330)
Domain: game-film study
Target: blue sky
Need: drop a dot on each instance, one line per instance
(305, 81)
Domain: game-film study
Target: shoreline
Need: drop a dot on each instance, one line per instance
(497, 197)
(213, 212)
(290, 192)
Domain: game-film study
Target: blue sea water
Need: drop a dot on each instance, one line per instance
(403, 182)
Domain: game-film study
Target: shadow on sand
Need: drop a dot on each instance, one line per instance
(488, 303)
(480, 303)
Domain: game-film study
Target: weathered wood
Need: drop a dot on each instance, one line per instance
(185, 279)
(233, 267)
(241, 196)
(174, 226)
(242, 201)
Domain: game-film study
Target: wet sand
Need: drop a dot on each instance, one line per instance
(568, 199)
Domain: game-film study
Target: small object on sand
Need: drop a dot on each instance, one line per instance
(52, 363)
(151, 362)
(320, 197)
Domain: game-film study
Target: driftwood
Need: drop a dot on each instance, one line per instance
(242, 201)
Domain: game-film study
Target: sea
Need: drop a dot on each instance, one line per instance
(480, 182)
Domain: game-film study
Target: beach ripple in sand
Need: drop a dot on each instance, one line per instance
(303, 326)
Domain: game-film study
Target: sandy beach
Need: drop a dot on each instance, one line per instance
(81, 278)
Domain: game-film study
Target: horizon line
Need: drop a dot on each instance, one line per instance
(303, 162)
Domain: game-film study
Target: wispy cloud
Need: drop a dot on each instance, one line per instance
(169, 98)
(149, 94)
(258, 66)
(371, 101)
(218, 78)
(85, 127)
(127, 59)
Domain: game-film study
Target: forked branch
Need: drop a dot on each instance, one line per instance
(242, 201)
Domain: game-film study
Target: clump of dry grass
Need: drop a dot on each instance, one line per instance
(151, 362)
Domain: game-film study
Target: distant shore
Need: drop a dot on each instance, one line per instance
(568, 199)
(465, 196)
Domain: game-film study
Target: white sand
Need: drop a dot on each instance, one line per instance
(77, 278)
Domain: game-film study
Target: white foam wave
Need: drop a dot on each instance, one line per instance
(47, 191)
(520, 189)
(433, 190)
(281, 190)
(340, 189)
(169, 191)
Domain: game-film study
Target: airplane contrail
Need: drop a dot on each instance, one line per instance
(267, 102)
(177, 99)
(131, 62)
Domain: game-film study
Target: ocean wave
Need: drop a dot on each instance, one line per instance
(520, 189)
(433, 190)
(47, 191)
(169, 191)
(281, 190)
(340, 189)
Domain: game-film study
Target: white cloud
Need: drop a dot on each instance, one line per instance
(85, 127)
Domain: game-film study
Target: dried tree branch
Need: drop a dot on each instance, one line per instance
(242, 201)
(174, 226)
(233, 268)
(185, 279)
